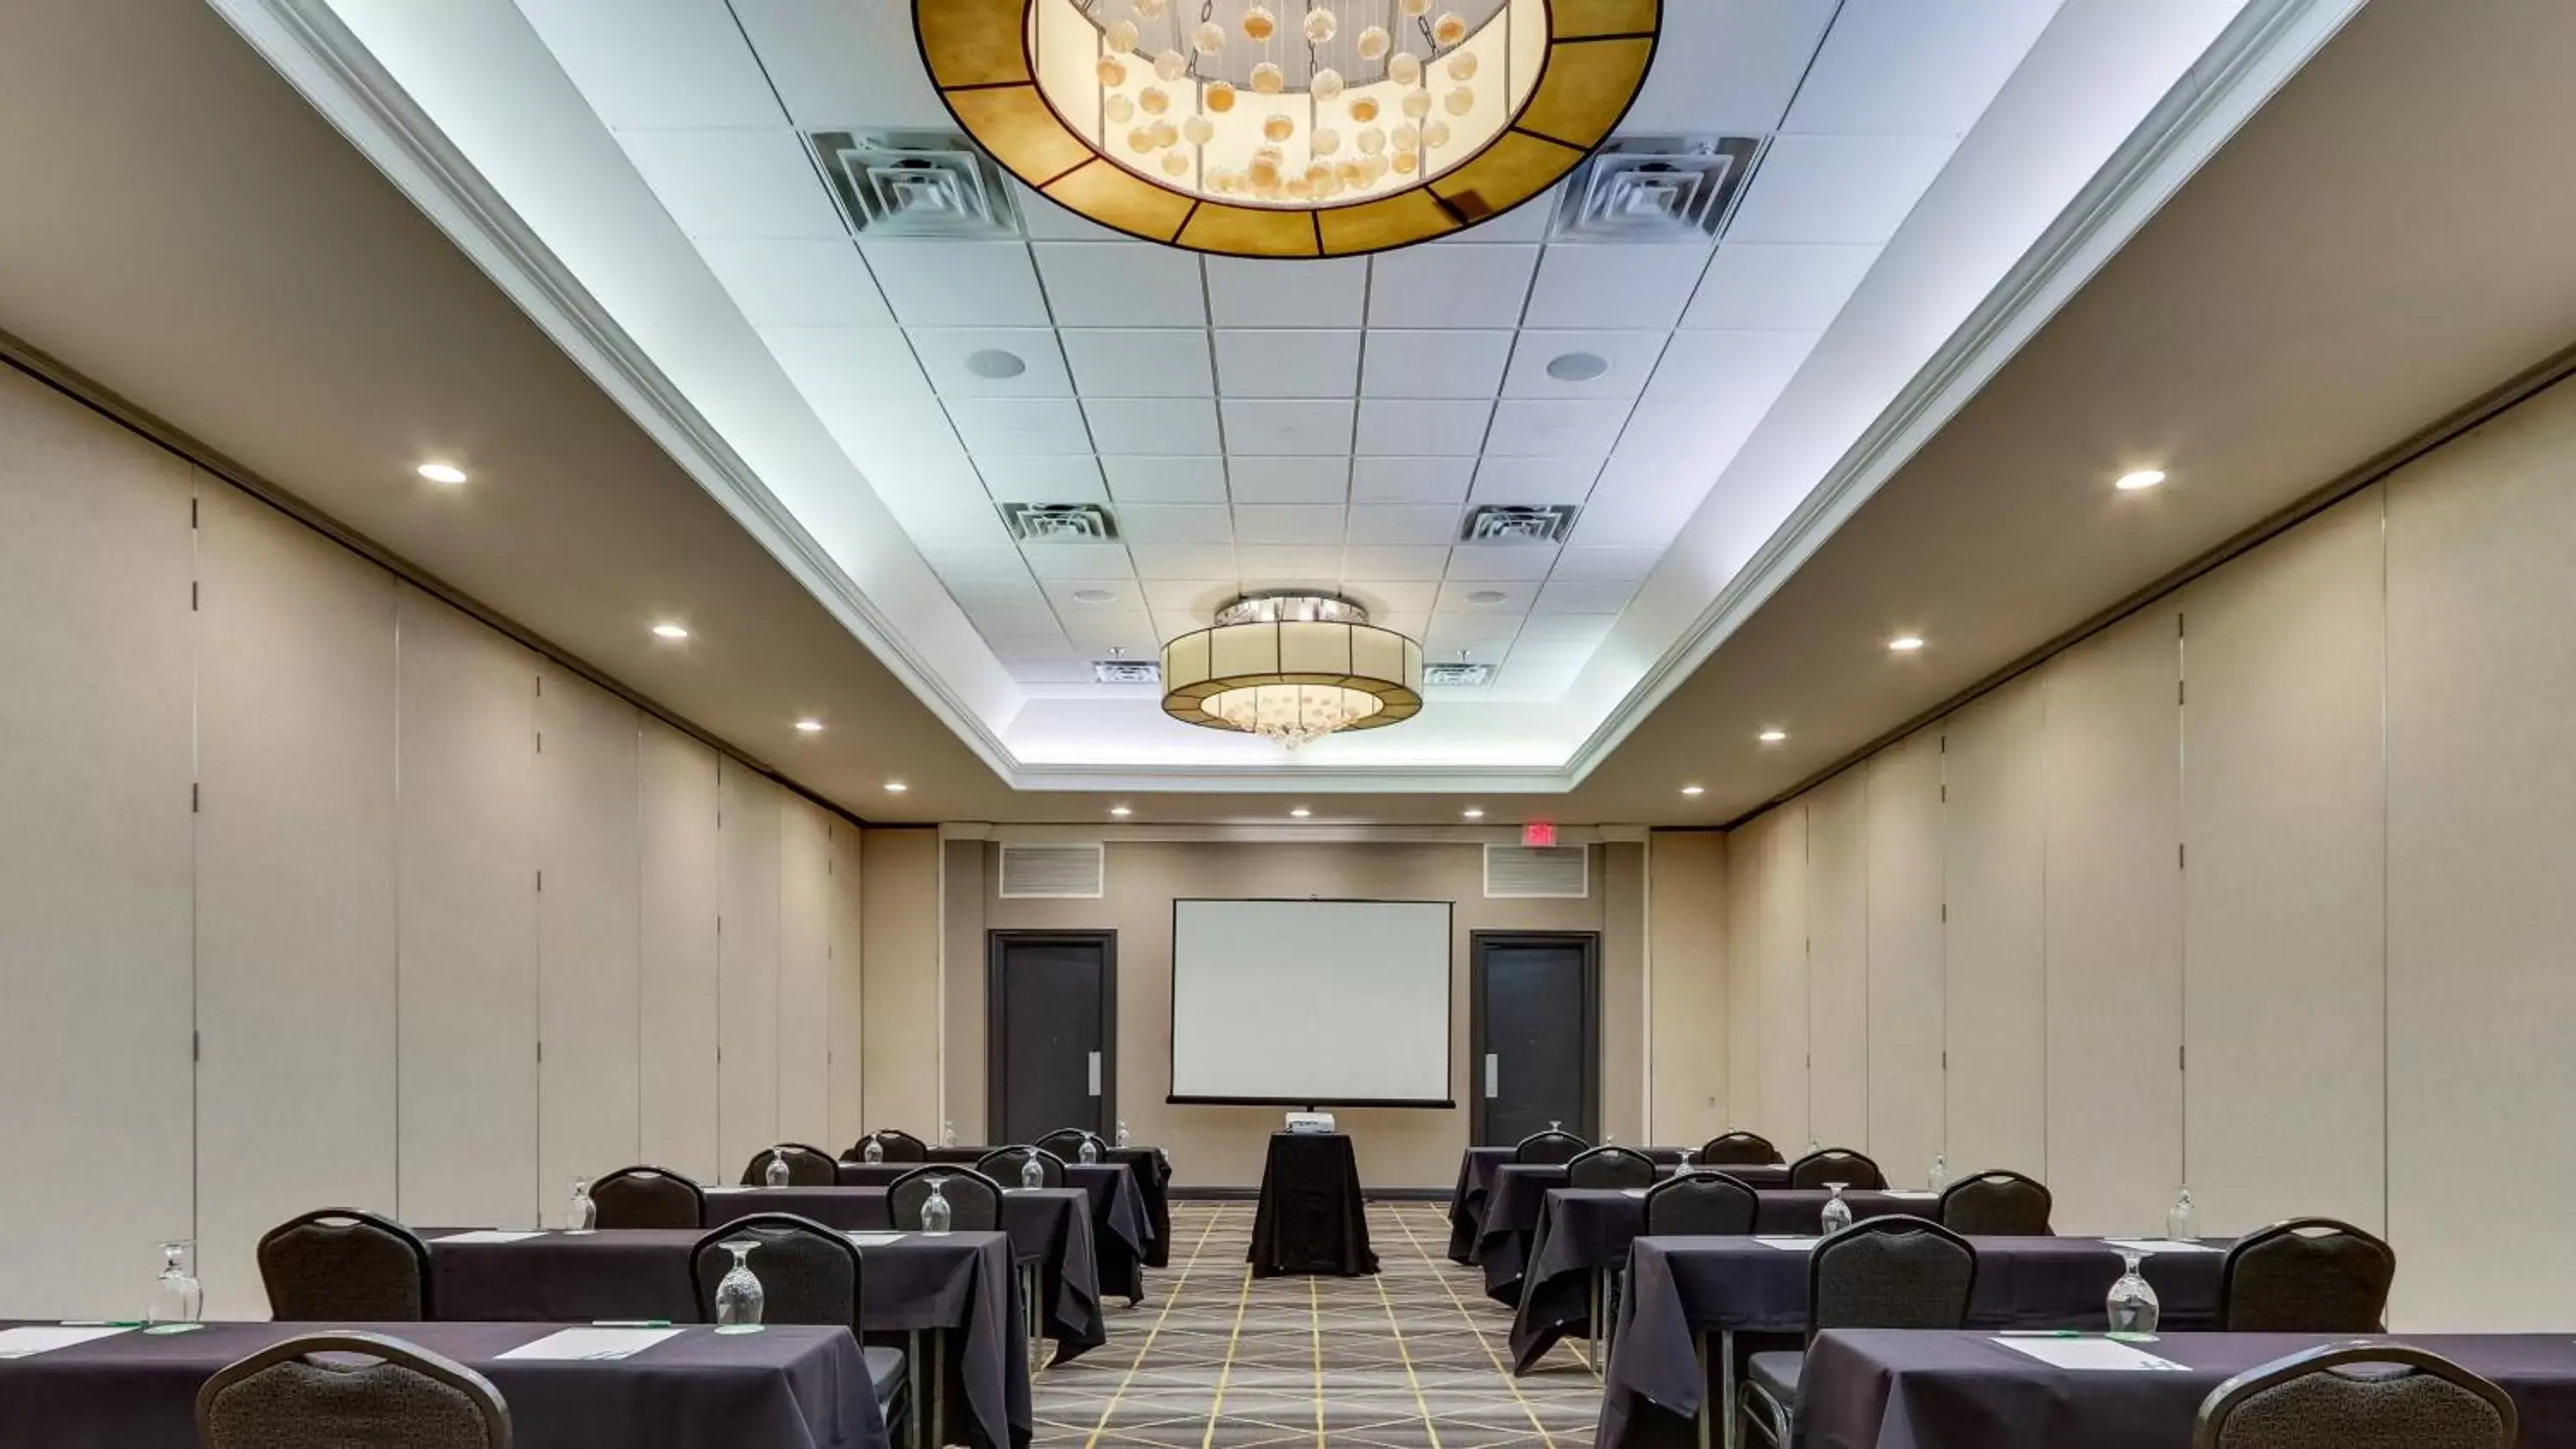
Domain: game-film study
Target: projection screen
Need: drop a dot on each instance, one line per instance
(1333, 1003)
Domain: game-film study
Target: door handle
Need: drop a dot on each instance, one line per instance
(1493, 1076)
(1095, 1074)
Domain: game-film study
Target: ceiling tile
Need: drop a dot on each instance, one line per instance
(1778, 288)
(1542, 667)
(1049, 671)
(1447, 644)
(669, 63)
(950, 355)
(930, 519)
(870, 428)
(1290, 480)
(1184, 561)
(1165, 480)
(1728, 66)
(1554, 427)
(1094, 595)
(1404, 363)
(1078, 561)
(1121, 284)
(1247, 293)
(1098, 633)
(1140, 361)
(1422, 428)
(1050, 427)
(1029, 478)
(1739, 374)
(1176, 523)
(1170, 624)
(1412, 624)
(847, 361)
(957, 284)
(796, 281)
(1170, 427)
(1705, 431)
(994, 565)
(1030, 648)
(1022, 621)
(1470, 629)
(1641, 502)
(1526, 222)
(1494, 562)
(841, 65)
(1584, 598)
(1837, 189)
(1287, 523)
(1287, 362)
(1405, 575)
(1534, 480)
(1283, 426)
(1398, 595)
(735, 183)
(1410, 480)
(1282, 565)
(1567, 628)
(1015, 591)
(1451, 286)
(1604, 565)
(1919, 66)
(1043, 219)
(1599, 288)
(1194, 599)
(1628, 355)
(931, 477)
(1433, 523)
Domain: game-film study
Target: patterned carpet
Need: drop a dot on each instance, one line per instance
(1414, 1358)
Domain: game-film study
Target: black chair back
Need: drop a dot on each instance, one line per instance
(648, 1197)
(1066, 1143)
(893, 1143)
(1002, 1164)
(2307, 1275)
(2357, 1396)
(1827, 1166)
(808, 1273)
(1549, 1149)
(401, 1397)
(343, 1265)
(1739, 1149)
(1996, 1204)
(974, 1200)
(1701, 1204)
(1611, 1167)
(1890, 1272)
(806, 1166)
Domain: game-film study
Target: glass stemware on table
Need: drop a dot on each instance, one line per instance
(1939, 1177)
(1684, 1169)
(739, 1298)
(873, 1151)
(1032, 1174)
(2132, 1305)
(1090, 1151)
(1837, 1214)
(936, 1213)
(776, 1173)
(583, 1215)
(2178, 1220)
(1122, 1139)
(177, 1297)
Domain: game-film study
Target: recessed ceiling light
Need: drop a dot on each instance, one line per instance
(1772, 737)
(2142, 478)
(994, 363)
(896, 787)
(1301, 812)
(1577, 367)
(809, 726)
(1694, 789)
(1905, 643)
(1472, 813)
(1487, 598)
(1094, 596)
(441, 472)
(669, 630)
(1120, 811)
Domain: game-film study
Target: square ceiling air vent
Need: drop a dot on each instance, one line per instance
(1060, 522)
(1126, 671)
(1654, 189)
(915, 184)
(1518, 523)
(1457, 676)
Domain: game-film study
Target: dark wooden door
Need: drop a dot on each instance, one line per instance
(1051, 1048)
(1534, 1008)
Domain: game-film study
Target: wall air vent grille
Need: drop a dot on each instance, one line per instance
(915, 184)
(1515, 523)
(1053, 872)
(1655, 189)
(1457, 676)
(1554, 872)
(1060, 522)
(1126, 671)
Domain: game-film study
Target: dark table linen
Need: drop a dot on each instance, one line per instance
(787, 1387)
(1476, 1169)
(959, 1284)
(1311, 1218)
(1121, 1232)
(1583, 1229)
(1680, 1288)
(1886, 1390)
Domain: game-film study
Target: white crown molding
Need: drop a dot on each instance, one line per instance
(1322, 832)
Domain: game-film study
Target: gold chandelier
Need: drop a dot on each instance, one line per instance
(1288, 128)
(1292, 667)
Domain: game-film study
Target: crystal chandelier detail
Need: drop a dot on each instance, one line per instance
(1292, 668)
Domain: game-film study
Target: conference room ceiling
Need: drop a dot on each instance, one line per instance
(2381, 244)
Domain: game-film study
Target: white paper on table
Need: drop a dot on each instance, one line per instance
(493, 1235)
(873, 1240)
(1632, 1192)
(45, 1337)
(591, 1343)
(2089, 1353)
(1912, 1193)
(2157, 1245)
(1790, 1245)
(712, 1191)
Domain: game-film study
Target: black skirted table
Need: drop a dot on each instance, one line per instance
(1312, 1218)
(1122, 1229)
(1477, 1166)
(1511, 1213)
(786, 1387)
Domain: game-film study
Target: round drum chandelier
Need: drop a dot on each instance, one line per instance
(1288, 128)
(1292, 667)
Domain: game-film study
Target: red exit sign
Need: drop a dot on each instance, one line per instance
(1538, 834)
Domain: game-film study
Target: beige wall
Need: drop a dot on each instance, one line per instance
(353, 924)
(2263, 888)
(1686, 984)
(899, 964)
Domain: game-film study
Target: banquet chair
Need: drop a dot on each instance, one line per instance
(1066, 1143)
(808, 1274)
(1002, 1164)
(286, 1397)
(2306, 1275)
(806, 1166)
(2356, 1396)
(1997, 1204)
(897, 1145)
(648, 1197)
(1551, 1148)
(1610, 1167)
(1701, 1204)
(974, 1200)
(1890, 1272)
(1739, 1149)
(1830, 1165)
(347, 1265)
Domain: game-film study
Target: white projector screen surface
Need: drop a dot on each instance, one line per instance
(1324, 1002)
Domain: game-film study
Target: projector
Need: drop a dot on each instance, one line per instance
(1310, 1121)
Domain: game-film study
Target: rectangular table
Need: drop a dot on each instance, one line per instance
(953, 1292)
(1511, 1217)
(786, 1387)
(1583, 1235)
(1685, 1293)
(1151, 1168)
(1120, 1233)
(1470, 1198)
(1882, 1390)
